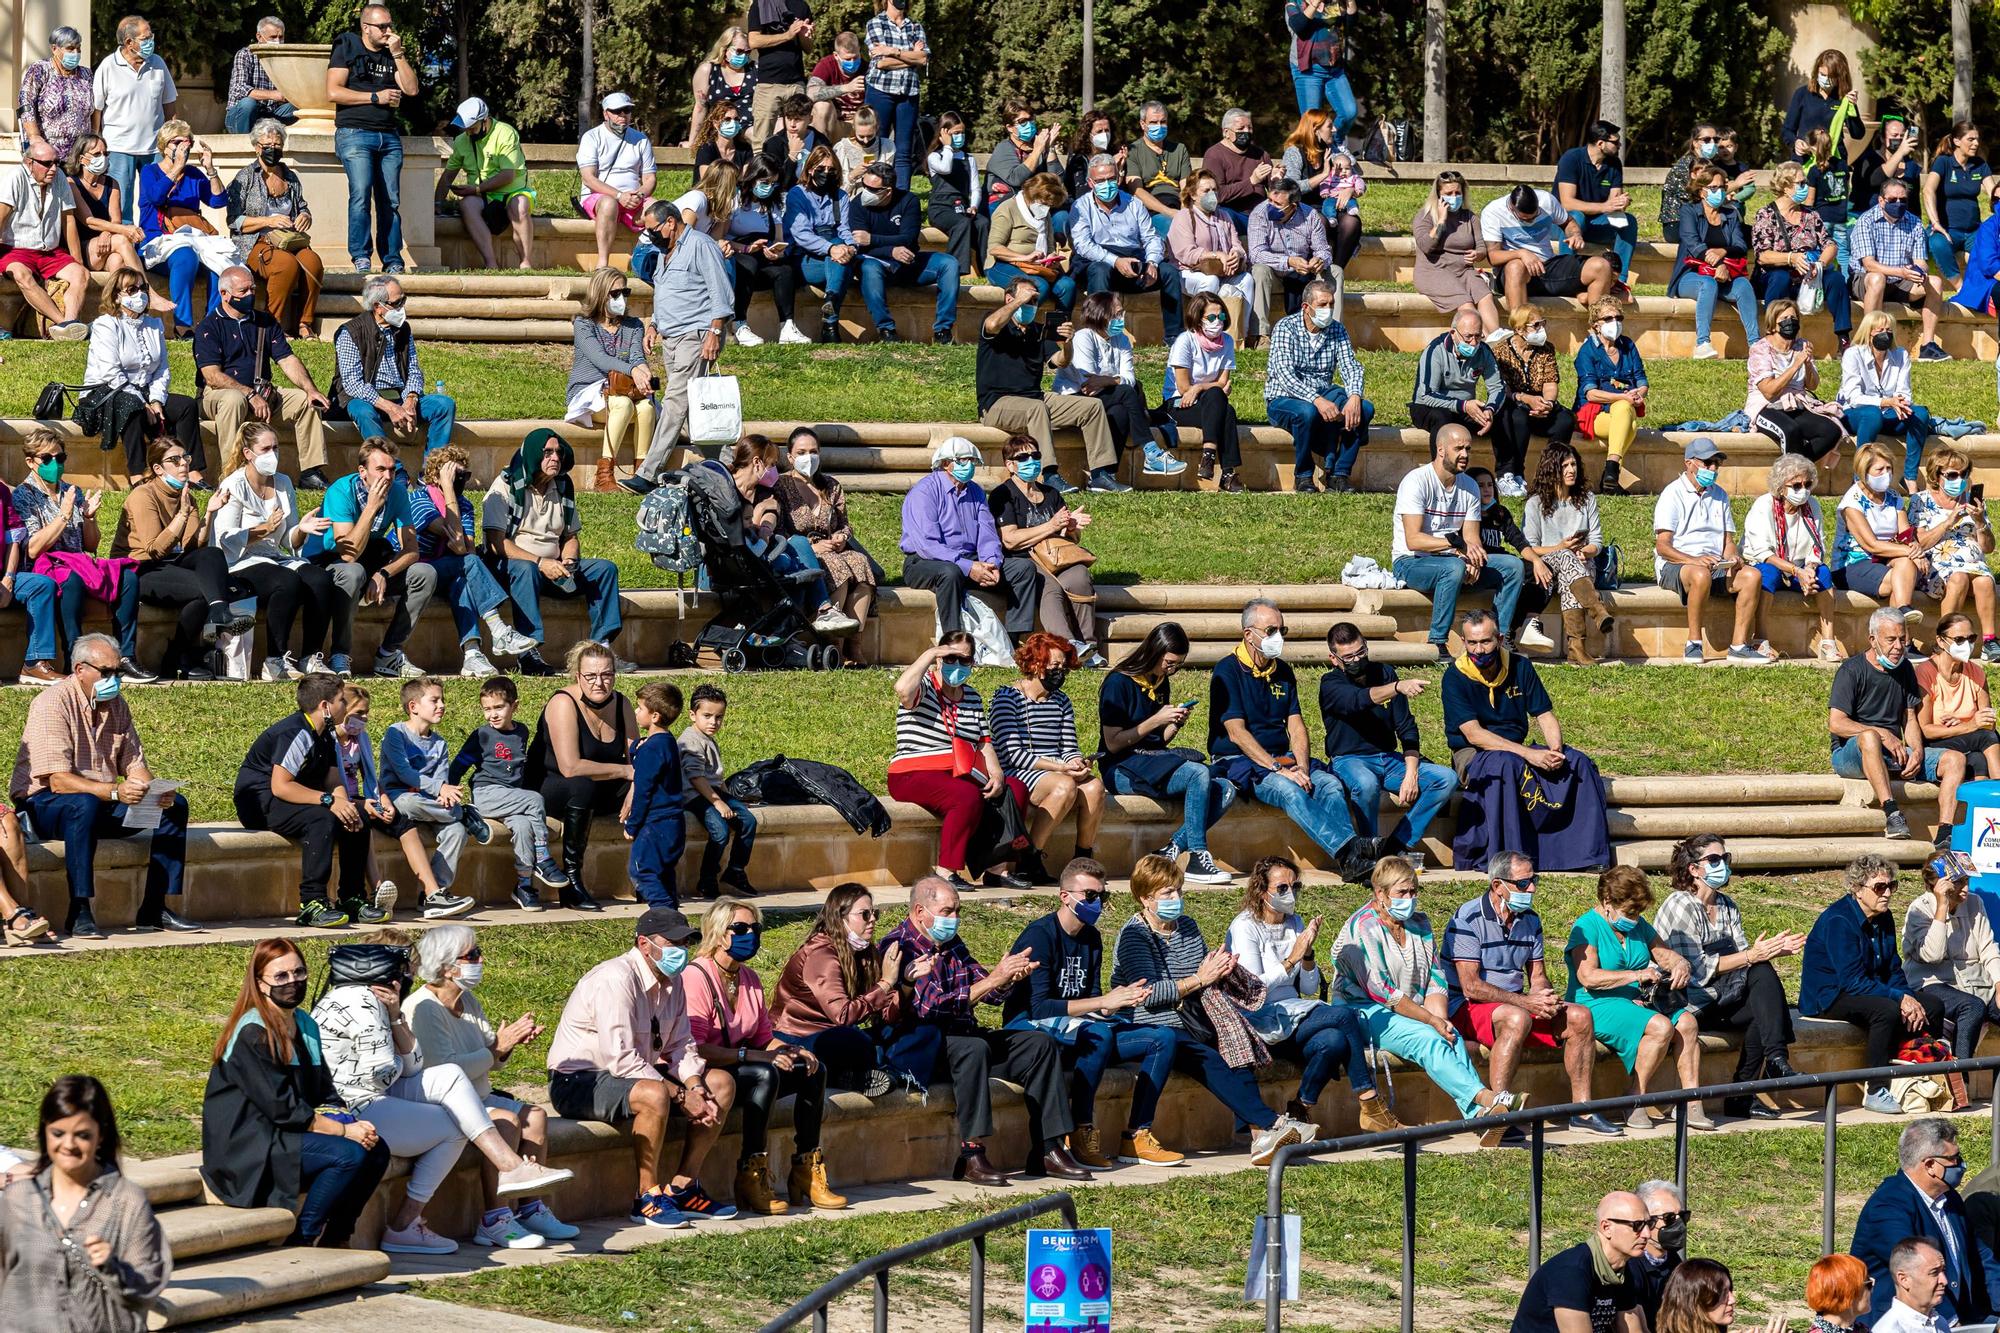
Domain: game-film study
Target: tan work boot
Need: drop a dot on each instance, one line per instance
(1376, 1117)
(754, 1190)
(1087, 1150)
(1576, 641)
(807, 1183)
(607, 478)
(1140, 1147)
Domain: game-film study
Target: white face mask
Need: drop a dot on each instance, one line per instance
(469, 974)
(1611, 328)
(96, 165)
(1962, 651)
(1878, 482)
(616, 305)
(1038, 212)
(1100, 141)
(806, 464)
(394, 318)
(266, 464)
(1797, 494)
(1536, 337)
(134, 301)
(1272, 645)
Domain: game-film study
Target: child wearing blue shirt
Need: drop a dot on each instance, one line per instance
(654, 821)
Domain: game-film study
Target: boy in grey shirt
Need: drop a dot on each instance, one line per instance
(495, 755)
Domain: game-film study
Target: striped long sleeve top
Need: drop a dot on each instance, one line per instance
(1161, 961)
(1025, 730)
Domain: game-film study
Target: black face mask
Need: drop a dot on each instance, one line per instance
(1673, 1237)
(271, 155)
(1053, 678)
(1356, 669)
(1244, 139)
(1788, 328)
(819, 180)
(1883, 341)
(289, 995)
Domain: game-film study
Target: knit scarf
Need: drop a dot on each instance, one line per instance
(1493, 682)
(1601, 1264)
(519, 478)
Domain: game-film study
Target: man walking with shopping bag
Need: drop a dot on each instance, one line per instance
(693, 302)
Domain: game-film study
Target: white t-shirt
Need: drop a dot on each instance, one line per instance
(1695, 523)
(1498, 223)
(37, 220)
(619, 160)
(1442, 507)
(1201, 364)
(134, 103)
(1092, 353)
(696, 202)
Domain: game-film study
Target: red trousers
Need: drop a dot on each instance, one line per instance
(959, 802)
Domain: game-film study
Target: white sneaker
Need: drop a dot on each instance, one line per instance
(279, 668)
(386, 894)
(507, 1233)
(745, 338)
(416, 1238)
(1704, 351)
(1498, 336)
(531, 1177)
(512, 643)
(1512, 486)
(1531, 635)
(475, 663)
(790, 336)
(1264, 1145)
(394, 666)
(833, 620)
(542, 1220)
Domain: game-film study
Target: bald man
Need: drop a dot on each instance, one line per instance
(1585, 1289)
(1919, 1270)
(235, 348)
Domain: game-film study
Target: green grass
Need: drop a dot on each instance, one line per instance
(199, 733)
(152, 1047)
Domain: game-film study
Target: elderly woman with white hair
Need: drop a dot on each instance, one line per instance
(271, 221)
(951, 542)
(451, 1028)
(1784, 538)
(172, 193)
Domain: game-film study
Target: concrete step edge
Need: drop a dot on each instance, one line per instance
(235, 1284)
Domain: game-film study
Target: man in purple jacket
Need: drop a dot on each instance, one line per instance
(950, 543)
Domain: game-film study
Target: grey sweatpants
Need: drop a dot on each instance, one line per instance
(422, 809)
(527, 820)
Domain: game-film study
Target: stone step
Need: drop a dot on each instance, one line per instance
(166, 1180)
(1227, 627)
(1749, 821)
(1769, 854)
(198, 1229)
(235, 1284)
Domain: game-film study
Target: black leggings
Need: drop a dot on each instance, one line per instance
(758, 1086)
(1761, 1013)
(1515, 426)
(572, 801)
(776, 276)
(1806, 433)
(280, 594)
(183, 422)
(1125, 411)
(197, 583)
(1217, 419)
(1344, 233)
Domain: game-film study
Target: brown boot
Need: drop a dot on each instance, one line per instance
(1376, 1117)
(807, 1183)
(1575, 640)
(754, 1192)
(607, 477)
(1595, 612)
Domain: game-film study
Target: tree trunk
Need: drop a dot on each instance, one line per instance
(1611, 74)
(1961, 59)
(586, 97)
(1435, 147)
(1089, 56)
(461, 45)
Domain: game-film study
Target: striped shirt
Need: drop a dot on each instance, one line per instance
(1143, 954)
(1374, 969)
(1305, 364)
(347, 360)
(927, 729)
(424, 512)
(902, 80)
(1025, 730)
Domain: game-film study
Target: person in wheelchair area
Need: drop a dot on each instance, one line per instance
(752, 463)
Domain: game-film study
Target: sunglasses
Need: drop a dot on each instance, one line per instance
(283, 977)
(1884, 887)
(1952, 475)
(1958, 638)
(1671, 1219)
(42, 161)
(1716, 859)
(174, 460)
(472, 955)
(1528, 883)
(52, 458)
(1639, 1225)
(745, 928)
(956, 661)
(620, 291)
(1096, 896)
(398, 303)
(867, 913)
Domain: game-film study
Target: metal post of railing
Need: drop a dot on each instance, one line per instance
(1409, 1324)
(1534, 1197)
(978, 1292)
(1993, 1128)
(1826, 1151)
(819, 1320)
(1274, 1240)
(1681, 1149)
(882, 1301)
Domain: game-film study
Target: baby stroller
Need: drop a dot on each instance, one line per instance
(755, 623)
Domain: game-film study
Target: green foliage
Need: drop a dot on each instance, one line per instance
(1912, 65)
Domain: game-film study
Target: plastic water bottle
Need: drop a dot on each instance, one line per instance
(439, 390)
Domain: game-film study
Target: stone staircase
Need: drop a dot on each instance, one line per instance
(230, 1261)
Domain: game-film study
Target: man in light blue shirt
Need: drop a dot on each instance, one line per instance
(693, 302)
(1122, 252)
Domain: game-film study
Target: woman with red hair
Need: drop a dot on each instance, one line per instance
(1837, 1293)
(273, 1131)
(1034, 730)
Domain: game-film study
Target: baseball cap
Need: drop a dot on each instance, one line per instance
(1702, 448)
(470, 112)
(666, 923)
(618, 102)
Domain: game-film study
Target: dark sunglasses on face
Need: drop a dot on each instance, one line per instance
(1714, 859)
(1639, 1225)
(1528, 883)
(398, 303)
(1952, 475)
(957, 661)
(867, 913)
(745, 928)
(1885, 887)
(1670, 1219)
(1958, 638)
(1096, 896)
(472, 955)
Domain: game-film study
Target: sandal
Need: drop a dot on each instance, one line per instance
(17, 934)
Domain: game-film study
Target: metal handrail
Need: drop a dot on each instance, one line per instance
(974, 1232)
(1412, 1137)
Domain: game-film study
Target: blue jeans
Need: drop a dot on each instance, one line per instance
(1337, 446)
(1847, 761)
(35, 594)
(183, 270)
(1236, 1089)
(1322, 815)
(830, 277)
(738, 832)
(1328, 88)
(373, 162)
(81, 821)
(1100, 276)
(1326, 1040)
(337, 1177)
(1841, 254)
(69, 599)
(242, 115)
(124, 168)
(1002, 275)
(471, 588)
(1366, 775)
(436, 410)
(932, 270)
(1117, 1042)
(897, 115)
(1705, 291)
(1597, 231)
(1440, 577)
(1204, 799)
(1780, 283)
(1869, 422)
(1945, 250)
(596, 583)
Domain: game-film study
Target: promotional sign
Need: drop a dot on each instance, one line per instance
(1978, 835)
(1069, 1281)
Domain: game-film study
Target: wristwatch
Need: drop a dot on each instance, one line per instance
(742, 1055)
(326, 798)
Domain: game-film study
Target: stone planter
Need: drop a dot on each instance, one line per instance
(298, 69)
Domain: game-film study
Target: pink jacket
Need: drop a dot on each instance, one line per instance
(1195, 233)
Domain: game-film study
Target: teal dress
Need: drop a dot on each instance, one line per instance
(1621, 1019)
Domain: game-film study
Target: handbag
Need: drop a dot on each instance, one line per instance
(367, 964)
(1193, 1016)
(174, 219)
(53, 403)
(965, 756)
(620, 385)
(1149, 771)
(1052, 555)
(284, 238)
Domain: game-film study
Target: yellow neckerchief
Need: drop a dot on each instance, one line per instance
(1466, 664)
(1250, 665)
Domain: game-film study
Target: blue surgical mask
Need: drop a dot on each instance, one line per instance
(1888, 663)
(1715, 876)
(944, 929)
(1169, 909)
(107, 688)
(1893, 208)
(1715, 198)
(764, 189)
(744, 947)
(957, 139)
(1116, 326)
(1517, 901)
(671, 960)
(72, 60)
(1452, 202)
(174, 483)
(1955, 488)
(1466, 351)
(1709, 150)
(849, 66)
(1088, 911)
(729, 129)
(738, 59)
(1704, 477)
(1402, 909)
(1623, 925)
(1953, 1174)
(1025, 131)
(1106, 191)
(1024, 315)
(1028, 469)
(962, 470)
(956, 673)
(146, 47)
(1799, 194)
(1156, 133)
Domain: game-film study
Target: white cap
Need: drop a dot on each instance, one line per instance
(954, 447)
(618, 102)
(471, 111)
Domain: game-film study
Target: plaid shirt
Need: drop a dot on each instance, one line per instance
(1303, 365)
(246, 73)
(944, 995)
(900, 81)
(1682, 924)
(1897, 244)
